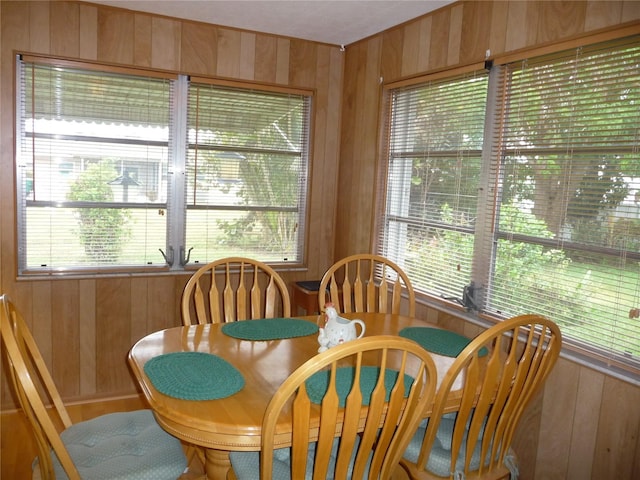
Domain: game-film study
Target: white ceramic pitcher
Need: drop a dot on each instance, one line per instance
(337, 330)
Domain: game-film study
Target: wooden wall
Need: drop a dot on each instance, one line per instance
(85, 327)
(585, 425)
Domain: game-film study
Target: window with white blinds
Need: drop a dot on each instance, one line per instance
(246, 173)
(555, 227)
(92, 167)
(100, 157)
(567, 237)
(434, 159)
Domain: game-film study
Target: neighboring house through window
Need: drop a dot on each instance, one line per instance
(136, 170)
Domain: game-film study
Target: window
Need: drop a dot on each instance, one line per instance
(555, 227)
(120, 169)
(435, 155)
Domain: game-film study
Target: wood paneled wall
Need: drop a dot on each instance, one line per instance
(85, 327)
(585, 424)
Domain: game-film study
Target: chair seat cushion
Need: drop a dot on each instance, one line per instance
(440, 457)
(246, 465)
(118, 446)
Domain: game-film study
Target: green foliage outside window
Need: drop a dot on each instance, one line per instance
(102, 231)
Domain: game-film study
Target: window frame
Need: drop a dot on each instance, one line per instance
(605, 360)
(174, 250)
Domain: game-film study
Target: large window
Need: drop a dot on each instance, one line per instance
(542, 215)
(134, 170)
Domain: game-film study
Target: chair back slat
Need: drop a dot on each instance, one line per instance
(374, 426)
(238, 288)
(503, 368)
(367, 283)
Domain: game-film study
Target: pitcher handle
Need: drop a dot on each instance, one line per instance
(362, 325)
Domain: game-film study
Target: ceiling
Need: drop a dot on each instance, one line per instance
(337, 22)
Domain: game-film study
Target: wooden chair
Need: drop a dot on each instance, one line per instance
(366, 283)
(127, 445)
(503, 368)
(342, 429)
(246, 289)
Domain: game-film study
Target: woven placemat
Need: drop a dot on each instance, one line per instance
(269, 329)
(317, 383)
(193, 376)
(437, 340)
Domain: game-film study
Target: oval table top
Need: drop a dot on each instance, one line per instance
(234, 422)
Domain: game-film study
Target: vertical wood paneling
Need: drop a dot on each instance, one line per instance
(498, 33)
(100, 313)
(527, 442)
(265, 61)
(475, 32)
(113, 329)
(425, 43)
(584, 434)
(618, 430)
(410, 49)
(88, 35)
(116, 39)
(161, 307)
(561, 20)
(558, 414)
(630, 11)
(165, 46)
(247, 55)
(87, 334)
(601, 14)
(65, 338)
(439, 39)
(140, 318)
(521, 25)
(40, 31)
(65, 29)
(35, 303)
(199, 48)
(228, 57)
(390, 56)
(302, 63)
(282, 61)
(455, 34)
(142, 40)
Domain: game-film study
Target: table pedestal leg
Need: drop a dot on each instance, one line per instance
(217, 464)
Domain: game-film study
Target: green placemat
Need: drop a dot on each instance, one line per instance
(269, 329)
(317, 383)
(437, 340)
(193, 376)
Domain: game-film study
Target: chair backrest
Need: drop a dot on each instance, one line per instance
(35, 391)
(371, 392)
(366, 283)
(502, 368)
(244, 289)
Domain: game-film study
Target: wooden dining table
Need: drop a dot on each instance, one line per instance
(234, 423)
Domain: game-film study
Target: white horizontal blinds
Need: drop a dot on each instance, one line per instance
(92, 167)
(434, 158)
(247, 170)
(568, 238)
